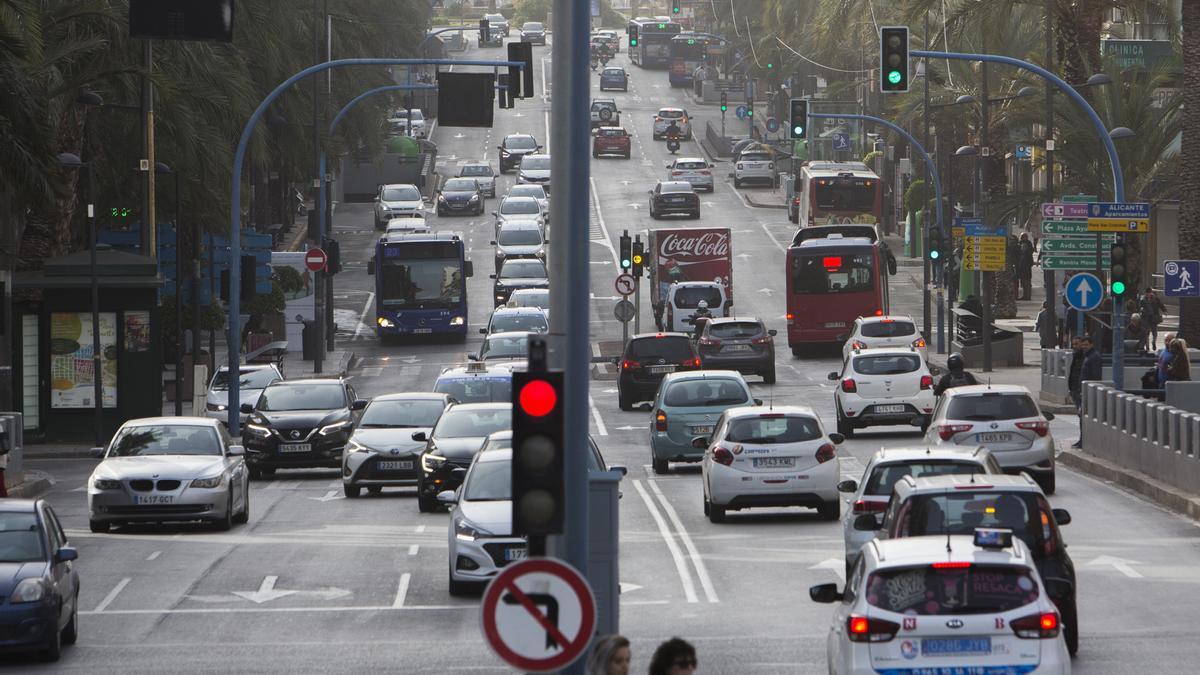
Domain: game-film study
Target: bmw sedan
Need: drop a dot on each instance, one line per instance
(159, 469)
(457, 436)
(299, 424)
(460, 195)
(673, 197)
(381, 452)
(39, 586)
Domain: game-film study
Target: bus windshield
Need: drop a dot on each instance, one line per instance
(845, 194)
(421, 283)
(822, 273)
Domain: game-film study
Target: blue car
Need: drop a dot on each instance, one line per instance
(687, 408)
(614, 77)
(39, 588)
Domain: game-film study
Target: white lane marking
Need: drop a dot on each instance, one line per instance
(412, 550)
(701, 570)
(372, 371)
(402, 591)
(362, 318)
(276, 610)
(112, 595)
(546, 119)
(603, 226)
(420, 529)
(153, 556)
(600, 428)
(685, 576)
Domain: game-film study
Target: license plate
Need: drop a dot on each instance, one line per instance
(153, 499)
(890, 408)
(774, 462)
(836, 324)
(993, 438)
(736, 348)
(676, 200)
(515, 553)
(296, 447)
(660, 369)
(702, 430)
(422, 331)
(393, 466)
(980, 646)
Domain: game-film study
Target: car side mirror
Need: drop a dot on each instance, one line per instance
(66, 554)
(499, 147)
(97, 452)
(867, 522)
(236, 451)
(370, 267)
(646, 407)
(772, 332)
(358, 404)
(448, 497)
(495, 213)
(491, 243)
(483, 331)
(468, 269)
(758, 401)
(1061, 516)
(618, 468)
(919, 421)
(247, 408)
(491, 276)
(667, 164)
(836, 438)
(1049, 416)
(472, 357)
(833, 376)
(649, 192)
(458, 473)
(848, 486)
(419, 436)
(700, 442)
(826, 593)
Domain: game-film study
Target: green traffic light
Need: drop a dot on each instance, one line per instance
(770, 65)
(632, 42)
(798, 130)
(1118, 288)
(894, 77)
(691, 41)
(935, 254)
(724, 108)
(749, 112)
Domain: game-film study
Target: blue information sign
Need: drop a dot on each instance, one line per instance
(1118, 210)
(841, 141)
(1180, 278)
(741, 112)
(1084, 292)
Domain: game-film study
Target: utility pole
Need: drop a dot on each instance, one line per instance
(1050, 277)
(927, 262)
(149, 238)
(319, 319)
(984, 154)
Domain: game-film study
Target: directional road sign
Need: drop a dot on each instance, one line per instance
(1072, 244)
(981, 230)
(1073, 262)
(1181, 278)
(1023, 152)
(741, 112)
(986, 254)
(1118, 217)
(1065, 227)
(538, 615)
(1064, 211)
(315, 259)
(623, 311)
(625, 284)
(841, 141)
(1084, 292)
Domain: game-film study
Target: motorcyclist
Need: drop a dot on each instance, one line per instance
(700, 318)
(673, 131)
(955, 375)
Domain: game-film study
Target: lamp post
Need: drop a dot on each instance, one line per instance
(72, 161)
(180, 343)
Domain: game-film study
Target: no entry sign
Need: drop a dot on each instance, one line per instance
(315, 259)
(538, 615)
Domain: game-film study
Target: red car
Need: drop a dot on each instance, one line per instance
(611, 141)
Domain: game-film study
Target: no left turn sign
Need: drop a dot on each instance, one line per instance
(625, 284)
(538, 615)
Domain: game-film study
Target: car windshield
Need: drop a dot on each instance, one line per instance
(535, 298)
(480, 389)
(532, 25)
(832, 273)
(754, 157)
(691, 166)
(520, 143)
(523, 321)
(991, 407)
(402, 413)
(402, 194)
(892, 364)
(511, 236)
(489, 482)
(536, 163)
(734, 329)
(702, 393)
(936, 591)
(20, 538)
(303, 397)
(689, 297)
(523, 269)
(534, 191)
(965, 510)
(769, 428)
(471, 423)
(523, 206)
(888, 329)
(505, 347)
(614, 71)
(670, 114)
(250, 379)
(477, 170)
(165, 439)
(671, 349)
(460, 185)
(885, 476)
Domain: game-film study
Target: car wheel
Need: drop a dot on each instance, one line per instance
(797, 352)
(260, 474)
(660, 466)
(99, 526)
(243, 516)
(595, 154)
(1046, 481)
(844, 426)
(351, 491)
(653, 213)
(375, 489)
(53, 650)
(716, 512)
(225, 522)
(1070, 619)
(623, 402)
(830, 510)
(70, 632)
(627, 154)
(737, 182)
(695, 215)
(458, 588)
(426, 504)
(769, 376)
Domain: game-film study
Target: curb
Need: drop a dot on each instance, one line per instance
(1154, 490)
(294, 245)
(30, 489)
(760, 205)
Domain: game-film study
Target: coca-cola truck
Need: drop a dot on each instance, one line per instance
(689, 254)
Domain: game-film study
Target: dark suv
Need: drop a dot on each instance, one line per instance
(513, 148)
(743, 344)
(647, 358)
(299, 424)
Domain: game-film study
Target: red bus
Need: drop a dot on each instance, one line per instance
(831, 193)
(831, 282)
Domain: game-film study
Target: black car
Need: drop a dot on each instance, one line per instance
(513, 148)
(674, 196)
(381, 452)
(39, 586)
(299, 424)
(646, 359)
(460, 195)
(743, 344)
(518, 273)
(533, 32)
(450, 447)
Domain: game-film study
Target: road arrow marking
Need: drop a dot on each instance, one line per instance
(409, 360)
(594, 262)
(836, 565)
(627, 428)
(626, 587)
(329, 496)
(744, 255)
(265, 593)
(1119, 564)
(610, 391)
(766, 291)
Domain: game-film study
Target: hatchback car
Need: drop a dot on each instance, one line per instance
(253, 379)
(533, 32)
(530, 190)
(397, 227)
(460, 195)
(299, 424)
(160, 469)
(381, 452)
(516, 319)
(39, 585)
(880, 387)
(513, 148)
(684, 298)
(614, 77)
(759, 457)
(695, 170)
(966, 603)
(535, 169)
(476, 382)
(611, 141)
(754, 165)
(663, 119)
(647, 359)
(674, 197)
(686, 408)
(892, 330)
(530, 297)
(503, 346)
(519, 208)
(483, 173)
(519, 273)
(743, 344)
(519, 239)
(399, 200)
(480, 540)
(457, 436)
(1005, 419)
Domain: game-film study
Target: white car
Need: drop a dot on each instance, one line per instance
(410, 225)
(944, 604)
(519, 239)
(665, 116)
(397, 200)
(416, 120)
(694, 170)
(1005, 419)
(756, 164)
(480, 540)
(254, 378)
(518, 208)
(535, 169)
(531, 190)
(684, 297)
(886, 467)
(530, 297)
(892, 330)
(770, 457)
(882, 386)
(484, 175)
(518, 319)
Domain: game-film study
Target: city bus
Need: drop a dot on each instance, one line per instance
(831, 281)
(830, 193)
(653, 49)
(686, 52)
(420, 285)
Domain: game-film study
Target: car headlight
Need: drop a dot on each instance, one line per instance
(385, 322)
(473, 199)
(258, 430)
(457, 321)
(106, 484)
(442, 199)
(334, 428)
(465, 530)
(217, 407)
(355, 446)
(29, 590)
(213, 482)
(431, 463)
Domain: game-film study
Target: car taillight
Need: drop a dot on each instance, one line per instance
(710, 342)
(1042, 428)
(660, 421)
(858, 345)
(825, 453)
(1036, 626)
(722, 455)
(919, 343)
(790, 318)
(764, 340)
(849, 386)
(657, 118)
(864, 506)
(692, 363)
(927, 382)
(960, 565)
(869, 629)
(947, 431)
(630, 365)
(770, 165)
(676, 173)
(796, 201)
(706, 172)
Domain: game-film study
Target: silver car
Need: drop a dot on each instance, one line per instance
(483, 173)
(159, 469)
(480, 541)
(381, 452)
(397, 200)
(254, 378)
(695, 170)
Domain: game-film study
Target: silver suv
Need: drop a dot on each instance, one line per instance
(605, 113)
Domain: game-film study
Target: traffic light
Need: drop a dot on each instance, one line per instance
(333, 255)
(633, 36)
(626, 251)
(484, 25)
(935, 245)
(799, 118)
(674, 7)
(724, 102)
(639, 257)
(1118, 271)
(537, 453)
(893, 59)
(749, 106)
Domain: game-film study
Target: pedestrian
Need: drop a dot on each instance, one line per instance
(1025, 265)
(1091, 368)
(1151, 308)
(1135, 334)
(1013, 258)
(1163, 358)
(673, 657)
(1179, 369)
(1046, 330)
(610, 656)
(950, 274)
(1073, 382)
(3, 466)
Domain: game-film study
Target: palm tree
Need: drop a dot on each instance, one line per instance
(1189, 211)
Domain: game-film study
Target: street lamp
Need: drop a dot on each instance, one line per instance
(71, 161)
(1121, 132)
(164, 170)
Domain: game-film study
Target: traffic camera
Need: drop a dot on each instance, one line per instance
(799, 118)
(639, 257)
(893, 59)
(1118, 270)
(537, 453)
(626, 251)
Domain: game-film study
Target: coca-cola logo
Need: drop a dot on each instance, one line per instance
(707, 245)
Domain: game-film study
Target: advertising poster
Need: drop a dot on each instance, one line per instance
(299, 306)
(72, 384)
(137, 331)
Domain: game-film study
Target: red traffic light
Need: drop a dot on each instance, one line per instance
(538, 398)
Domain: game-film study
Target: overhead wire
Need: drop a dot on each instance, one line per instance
(815, 63)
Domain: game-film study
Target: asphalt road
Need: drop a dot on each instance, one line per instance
(318, 583)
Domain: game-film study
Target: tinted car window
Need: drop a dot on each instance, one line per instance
(690, 297)
(614, 71)
(535, 323)
(691, 165)
(835, 273)
(705, 392)
(20, 538)
(734, 329)
(303, 397)
(476, 389)
(670, 114)
(528, 299)
(988, 407)
(144, 440)
(534, 191)
(403, 194)
(402, 413)
(520, 143)
(490, 482)
(672, 348)
(469, 423)
(888, 329)
(250, 379)
(512, 236)
(754, 157)
(523, 269)
(460, 185)
(520, 206)
(963, 511)
(677, 186)
(505, 347)
(612, 133)
(895, 364)
(536, 163)
(929, 591)
(768, 429)
(885, 476)
(477, 170)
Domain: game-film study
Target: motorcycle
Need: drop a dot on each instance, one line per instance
(673, 144)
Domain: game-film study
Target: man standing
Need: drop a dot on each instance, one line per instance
(1151, 307)
(1073, 382)
(1025, 265)
(1091, 369)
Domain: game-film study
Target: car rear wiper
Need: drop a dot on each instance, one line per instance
(980, 418)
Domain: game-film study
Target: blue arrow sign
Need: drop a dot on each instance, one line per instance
(741, 112)
(1181, 278)
(772, 124)
(1084, 292)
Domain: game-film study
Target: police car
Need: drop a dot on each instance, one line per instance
(477, 382)
(882, 386)
(964, 603)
